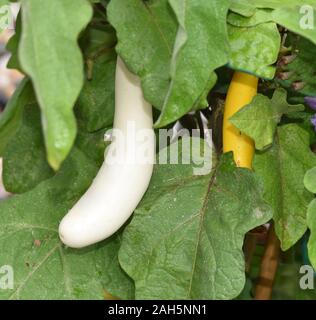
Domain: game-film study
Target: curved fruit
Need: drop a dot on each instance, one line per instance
(242, 89)
(123, 178)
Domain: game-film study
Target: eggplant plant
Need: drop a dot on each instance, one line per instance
(98, 207)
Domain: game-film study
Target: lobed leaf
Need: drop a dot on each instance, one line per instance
(260, 118)
(255, 50)
(200, 47)
(282, 167)
(43, 267)
(177, 49)
(185, 239)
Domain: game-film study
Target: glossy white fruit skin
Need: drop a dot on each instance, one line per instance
(118, 187)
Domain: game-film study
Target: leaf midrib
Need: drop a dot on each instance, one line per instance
(42, 261)
(281, 202)
(202, 215)
(29, 276)
(153, 20)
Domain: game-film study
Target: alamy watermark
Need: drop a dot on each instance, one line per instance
(136, 146)
(307, 280)
(6, 18)
(6, 277)
(307, 21)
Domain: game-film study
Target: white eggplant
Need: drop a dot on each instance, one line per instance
(119, 185)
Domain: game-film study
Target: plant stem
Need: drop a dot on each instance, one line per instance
(269, 266)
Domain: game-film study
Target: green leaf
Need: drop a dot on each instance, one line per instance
(10, 119)
(242, 7)
(13, 46)
(114, 279)
(4, 2)
(310, 180)
(311, 222)
(92, 144)
(3, 14)
(273, 4)
(293, 19)
(95, 106)
(255, 49)
(200, 48)
(260, 16)
(260, 118)
(246, 293)
(96, 40)
(25, 163)
(288, 13)
(174, 58)
(29, 242)
(54, 63)
(282, 167)
(303, 120)
(146, 32)
(202, 101)
(295, 15)
(185, 239)
(287, 282)
(303, 67)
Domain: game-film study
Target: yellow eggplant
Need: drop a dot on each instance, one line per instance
(241, 91)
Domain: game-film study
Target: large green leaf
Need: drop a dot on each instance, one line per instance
(95, 106)
(200, 48)
(185, 239)
(292, 19)
(282, 168)
(247, 9)
(255, 49)
(242, 7)
(275, 4)
(271, 4)
(260, 16)
(287, 13)
(10, 119)
(146, 32)
(29, 242)
(25, 162)
(173, 48)
(260, 118)
(50, 55)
